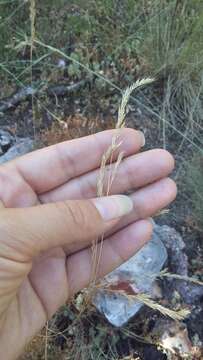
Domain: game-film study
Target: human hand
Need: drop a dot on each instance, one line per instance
(45, 234)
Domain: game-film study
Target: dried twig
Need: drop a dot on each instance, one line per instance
(15, 99)
(63, 89)
(29, 91)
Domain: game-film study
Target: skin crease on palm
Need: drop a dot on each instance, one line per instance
(48, 222)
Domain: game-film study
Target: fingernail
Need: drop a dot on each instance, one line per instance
(112, 207)
(142, 138)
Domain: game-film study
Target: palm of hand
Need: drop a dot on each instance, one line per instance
(69, 171)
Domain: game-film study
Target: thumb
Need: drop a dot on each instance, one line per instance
(26, 232)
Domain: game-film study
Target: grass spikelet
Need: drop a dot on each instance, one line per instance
(115, 143)
(107, 175)
(165, 273)
(173, 314)
(125, 98)
(177, 315)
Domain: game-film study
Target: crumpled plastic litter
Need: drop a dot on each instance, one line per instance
(136, 275)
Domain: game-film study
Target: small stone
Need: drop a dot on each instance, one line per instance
(6, 140)
(21, 147)
(178, 264)
(173, 336)
(61, 64)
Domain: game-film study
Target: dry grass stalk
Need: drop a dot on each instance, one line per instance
(32, 24)
(173, 314)
(148, 301)
(46, 341)
(32, 39)
(165, 273)
(162, 212)
(32, 30)
(108, 176)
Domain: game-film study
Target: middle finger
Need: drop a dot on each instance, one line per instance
(146, 202)
(134, 172)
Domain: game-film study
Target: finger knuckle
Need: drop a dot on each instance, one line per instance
(76, 214)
